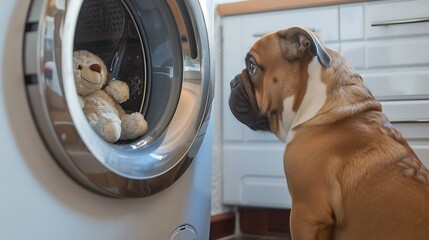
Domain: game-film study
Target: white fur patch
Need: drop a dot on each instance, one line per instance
(314, 99)
(288, 117)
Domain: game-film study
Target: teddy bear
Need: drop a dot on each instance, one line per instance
(100, 99)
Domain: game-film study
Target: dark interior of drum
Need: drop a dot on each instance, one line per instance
(105, 28)
(141, 46)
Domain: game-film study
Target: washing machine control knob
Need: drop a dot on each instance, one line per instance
(184, 232)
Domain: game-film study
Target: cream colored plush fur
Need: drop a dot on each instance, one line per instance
(100, 102)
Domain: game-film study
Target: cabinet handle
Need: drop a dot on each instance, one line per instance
(409, 121)
(401, 21)
(261, 34)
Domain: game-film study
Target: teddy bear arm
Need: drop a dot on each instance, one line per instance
(119, 90)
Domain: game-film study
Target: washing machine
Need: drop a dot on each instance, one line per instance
(59, 179)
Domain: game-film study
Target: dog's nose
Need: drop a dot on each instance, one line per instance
(234, 82)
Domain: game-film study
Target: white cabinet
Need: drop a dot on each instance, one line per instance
(392, 58)
(351, 25)
(257, 25)
(388, 43)
(254, 175)
(396, 19)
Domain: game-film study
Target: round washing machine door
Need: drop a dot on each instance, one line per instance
(160, 49)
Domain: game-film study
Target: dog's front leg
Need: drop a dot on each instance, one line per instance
(310, 224)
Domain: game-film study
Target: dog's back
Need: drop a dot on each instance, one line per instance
(377, 186)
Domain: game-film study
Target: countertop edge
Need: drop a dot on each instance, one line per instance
(253, 6)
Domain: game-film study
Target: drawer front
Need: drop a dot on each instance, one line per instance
(407, 111)
(408, 84)
(387, 42)
(398, 53)
(388, 19)
(254, 175)
(323, 20)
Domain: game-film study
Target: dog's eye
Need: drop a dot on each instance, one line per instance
(252, 68)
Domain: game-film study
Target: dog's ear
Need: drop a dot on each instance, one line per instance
(295, 41)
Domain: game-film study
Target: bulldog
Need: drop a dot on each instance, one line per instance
(350, 173)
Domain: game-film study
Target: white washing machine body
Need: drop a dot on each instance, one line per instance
(47, 193)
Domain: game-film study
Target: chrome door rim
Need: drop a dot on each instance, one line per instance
(140, 168)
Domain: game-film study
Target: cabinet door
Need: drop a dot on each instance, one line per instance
(386, 41)
(254, 175)
(396, 19)
(322, 20)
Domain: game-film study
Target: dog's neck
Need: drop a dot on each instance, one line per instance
(314, 99)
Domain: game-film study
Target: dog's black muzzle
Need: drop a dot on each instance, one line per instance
(243, 105)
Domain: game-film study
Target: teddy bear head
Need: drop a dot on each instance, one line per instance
(90, 72)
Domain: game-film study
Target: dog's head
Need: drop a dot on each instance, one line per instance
(275, 68)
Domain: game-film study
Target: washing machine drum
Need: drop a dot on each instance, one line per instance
(159, 49)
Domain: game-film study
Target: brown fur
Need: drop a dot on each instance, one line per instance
(292, 79)
(350, 173)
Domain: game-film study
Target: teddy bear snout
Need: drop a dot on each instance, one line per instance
(95, 67)
(93, 77)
